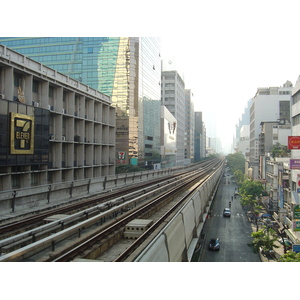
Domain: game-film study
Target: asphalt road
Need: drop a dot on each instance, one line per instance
(234, 232)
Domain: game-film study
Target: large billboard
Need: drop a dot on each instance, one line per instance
(170, 131)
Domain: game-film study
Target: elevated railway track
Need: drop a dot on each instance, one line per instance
(91, 230)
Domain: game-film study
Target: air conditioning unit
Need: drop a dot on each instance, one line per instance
(63, 111)
(2, 96)
(52, 137)
(35, 104)
(63, 138)
(50, 107)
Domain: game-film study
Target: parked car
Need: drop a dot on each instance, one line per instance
(226, 212)
(214, 244)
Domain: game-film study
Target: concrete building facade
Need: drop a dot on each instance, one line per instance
(54, 129)
(200, 137)
(128, 69)
(269, 104)
(189, 128)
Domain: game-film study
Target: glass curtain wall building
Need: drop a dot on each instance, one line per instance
(128, 69)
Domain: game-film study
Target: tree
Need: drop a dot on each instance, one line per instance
(250, 192)
(128, 169)
(279, 150)
(236, 162)
(290, 256)
(239, 176)
(264, 239)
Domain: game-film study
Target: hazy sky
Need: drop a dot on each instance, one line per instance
(225, 49)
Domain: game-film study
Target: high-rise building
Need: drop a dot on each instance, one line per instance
(173, 97)
(244, 122)
(269, 104)
(200, 137)
(189, 128)
(128, 69)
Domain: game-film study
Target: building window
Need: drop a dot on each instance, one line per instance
(51, 91)
(35, 86)
(296, 97)
(296, 120)
(17, 80)
(15, 181)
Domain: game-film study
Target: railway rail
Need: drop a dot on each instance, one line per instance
(102, 222)
(15, 225)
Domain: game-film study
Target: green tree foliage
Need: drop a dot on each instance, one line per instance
(236, 162)
(250, 192)
(239, 176)
(128, 169)
(290, 256)
(279, 150)
(263, 239)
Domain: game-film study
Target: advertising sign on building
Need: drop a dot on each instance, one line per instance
(296, 224)
(296, 248)
(293, 142)
(121, 155)
(170, 132)
(21, 134)
(297, 212)
(295, 164)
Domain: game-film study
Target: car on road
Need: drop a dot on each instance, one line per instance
(226, 212)
(214, 244)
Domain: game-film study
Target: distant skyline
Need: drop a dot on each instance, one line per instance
(227, 50)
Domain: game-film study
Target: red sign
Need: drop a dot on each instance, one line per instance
(294, 142)
(121, 155)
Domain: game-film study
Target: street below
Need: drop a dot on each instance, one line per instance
(234, 232)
